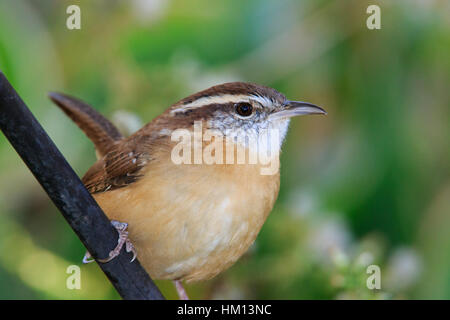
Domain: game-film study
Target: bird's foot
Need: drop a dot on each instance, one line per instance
(87, 258)
(180, 290)
(121, 228)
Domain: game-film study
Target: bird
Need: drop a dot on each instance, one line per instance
(186, 216)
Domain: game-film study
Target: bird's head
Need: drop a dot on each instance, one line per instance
(246, 116)
(239, 108)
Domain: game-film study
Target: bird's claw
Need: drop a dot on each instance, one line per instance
(87, 258)
(121, 228)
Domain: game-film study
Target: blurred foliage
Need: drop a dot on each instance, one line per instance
(369, 184)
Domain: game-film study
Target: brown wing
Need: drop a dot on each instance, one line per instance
(118, 168)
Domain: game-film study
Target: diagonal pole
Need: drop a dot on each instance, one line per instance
(68, 193)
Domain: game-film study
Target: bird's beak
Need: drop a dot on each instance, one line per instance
(296, 108)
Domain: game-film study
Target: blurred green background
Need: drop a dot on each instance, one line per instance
(369, 184)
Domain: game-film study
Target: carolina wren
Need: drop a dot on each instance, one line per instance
(188, 221)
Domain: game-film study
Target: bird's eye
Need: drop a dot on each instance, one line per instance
(244, 109)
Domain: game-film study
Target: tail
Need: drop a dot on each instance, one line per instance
(98, 129)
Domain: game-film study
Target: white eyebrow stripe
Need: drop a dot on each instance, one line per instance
(225, 98)
(265, 101)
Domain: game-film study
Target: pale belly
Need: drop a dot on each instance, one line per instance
(191, 223)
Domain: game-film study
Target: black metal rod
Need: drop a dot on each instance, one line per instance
(68, 193)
